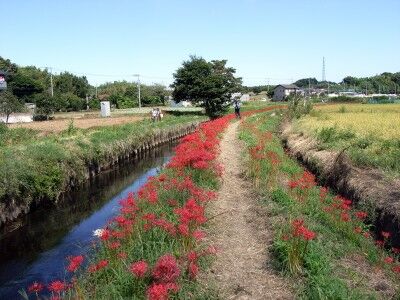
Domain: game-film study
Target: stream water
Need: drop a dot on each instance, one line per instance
(37, 250)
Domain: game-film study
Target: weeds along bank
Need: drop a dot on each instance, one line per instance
(356, 150)
(35, 168)
(321, 240)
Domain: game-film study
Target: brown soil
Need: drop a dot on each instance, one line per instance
(62, 124)
(241, 234)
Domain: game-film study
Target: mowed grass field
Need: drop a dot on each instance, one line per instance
(369, 132)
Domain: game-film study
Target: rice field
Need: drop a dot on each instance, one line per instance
(369, 133)
(376, 120)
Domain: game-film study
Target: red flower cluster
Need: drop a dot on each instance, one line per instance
(299, 230)
(96, 267)
(306, 181)
(35, 287)
(139, 268)
(57, 286)
(166, 269)
(74, 263)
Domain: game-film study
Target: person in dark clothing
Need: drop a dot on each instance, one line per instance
(236, 105)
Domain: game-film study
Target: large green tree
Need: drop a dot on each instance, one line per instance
(208, 84)
(9, 104)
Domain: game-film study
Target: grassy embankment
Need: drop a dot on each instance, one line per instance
(320, 239)
(368, 132)
(40, 167)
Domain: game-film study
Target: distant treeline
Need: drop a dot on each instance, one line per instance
(385, 83)
(33, 85)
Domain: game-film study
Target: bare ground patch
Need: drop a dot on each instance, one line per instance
(59, 125)
(241, 233)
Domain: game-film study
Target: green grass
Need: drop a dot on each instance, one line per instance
(323, 275)
(34, 167)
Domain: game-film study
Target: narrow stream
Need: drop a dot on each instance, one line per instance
(37, 250)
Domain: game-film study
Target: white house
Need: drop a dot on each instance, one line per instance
(282, 91)
(241, 97)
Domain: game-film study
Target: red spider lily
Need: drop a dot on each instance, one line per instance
(388, 260)
(300, 230)
(139, 269)
(358, 229)
(192, 256)
(191, 212)
(193, 270)
(57, 286)
(345, 217)
(159, 291)
(396, 269)
(212, 250)
(199, 234)
(273, 157)
(166, 269)
(105, 234)
(35, 287)
(366, 235)
(74, 263)
(183, 229)
(385, 234)
(114, 245)
(361, 215)
(122, 255)
(164, 224)
(323, 192)
(379, 243)
(96, 267)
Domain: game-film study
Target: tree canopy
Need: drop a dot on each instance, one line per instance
(9, 104)
(208, 84)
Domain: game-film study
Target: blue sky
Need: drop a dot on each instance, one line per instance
(280, 40)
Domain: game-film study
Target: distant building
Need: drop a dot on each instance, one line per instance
(282, 91)
(172, 103)
(241, 97)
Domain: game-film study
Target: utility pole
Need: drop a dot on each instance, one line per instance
(138, 83)
(309, 87)
(51, 82)
(96, 92)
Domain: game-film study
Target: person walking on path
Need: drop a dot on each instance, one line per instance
(236, 105)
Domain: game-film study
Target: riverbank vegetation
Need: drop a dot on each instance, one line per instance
(368, 133)
(35, 167)
(321, 240)
(153, 249)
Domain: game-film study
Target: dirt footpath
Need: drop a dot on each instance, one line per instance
(242, 268)
(83, 123)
